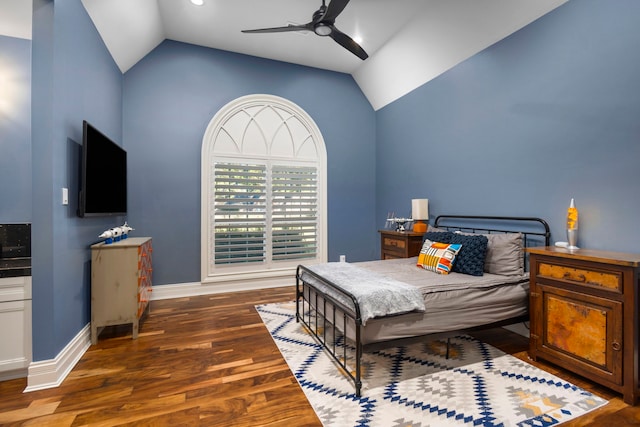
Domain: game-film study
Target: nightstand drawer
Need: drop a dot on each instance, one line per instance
(392, 243)
(399, 244)
(611, 280)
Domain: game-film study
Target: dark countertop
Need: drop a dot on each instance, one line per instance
(15, 250)
(15, 267)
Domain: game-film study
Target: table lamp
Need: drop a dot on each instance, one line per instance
(420, 212)
(572, 226)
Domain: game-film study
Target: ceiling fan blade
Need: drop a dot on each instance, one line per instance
(348, 43)
(334, 9)
(290, 27)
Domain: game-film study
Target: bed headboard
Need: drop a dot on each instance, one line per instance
(535, 231)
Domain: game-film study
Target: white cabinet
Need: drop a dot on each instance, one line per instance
(120, 283)
(15, 326)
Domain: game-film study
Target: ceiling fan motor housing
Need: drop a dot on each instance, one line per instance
(322, 29)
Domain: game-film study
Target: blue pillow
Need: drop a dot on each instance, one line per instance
(437, 236)
(470, 259)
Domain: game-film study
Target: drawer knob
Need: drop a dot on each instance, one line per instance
(616, 346)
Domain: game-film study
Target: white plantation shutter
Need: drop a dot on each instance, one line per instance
(294, 206)
(263, 192)
(240, 215)
(248, 216)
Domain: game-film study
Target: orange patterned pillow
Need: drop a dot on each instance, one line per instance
(438, 257)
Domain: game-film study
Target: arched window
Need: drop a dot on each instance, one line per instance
(263, 192)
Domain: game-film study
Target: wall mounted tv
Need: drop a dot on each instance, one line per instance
(103, 186)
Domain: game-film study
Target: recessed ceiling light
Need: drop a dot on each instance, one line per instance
(197, 2)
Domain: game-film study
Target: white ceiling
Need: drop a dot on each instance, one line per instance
(218, 24)
(15, 18)
(409, 42)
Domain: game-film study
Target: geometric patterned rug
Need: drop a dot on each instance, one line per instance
(416, 385)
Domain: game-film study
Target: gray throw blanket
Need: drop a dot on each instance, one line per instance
(376, 294)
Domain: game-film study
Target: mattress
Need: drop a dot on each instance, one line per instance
(453, 302)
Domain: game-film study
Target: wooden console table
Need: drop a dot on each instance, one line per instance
(584, 314)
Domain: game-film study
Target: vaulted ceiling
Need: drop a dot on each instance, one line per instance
(409, 42)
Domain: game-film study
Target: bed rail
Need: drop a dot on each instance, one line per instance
(327, 318)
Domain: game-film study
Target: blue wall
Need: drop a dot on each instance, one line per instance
(15, 130)
(74, 78)
(550, 113)
(170, 98)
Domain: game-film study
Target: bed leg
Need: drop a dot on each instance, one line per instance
(358, 379)
(299, 294)
(448, 343)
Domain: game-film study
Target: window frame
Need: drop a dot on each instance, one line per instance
(295, 141)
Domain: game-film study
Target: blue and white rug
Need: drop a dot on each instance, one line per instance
(415, 385)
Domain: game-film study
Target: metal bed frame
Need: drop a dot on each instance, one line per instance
(312, 304)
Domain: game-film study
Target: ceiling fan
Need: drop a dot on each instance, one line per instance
(322, 24)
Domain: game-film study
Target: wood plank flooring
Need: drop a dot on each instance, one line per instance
(209, 361)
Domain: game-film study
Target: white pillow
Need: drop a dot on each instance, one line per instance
(504, 254)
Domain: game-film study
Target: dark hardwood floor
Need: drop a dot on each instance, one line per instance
(209, 361)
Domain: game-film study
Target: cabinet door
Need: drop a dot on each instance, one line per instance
(582, 331)
(15, 337)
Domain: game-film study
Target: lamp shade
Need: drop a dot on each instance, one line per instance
(420, 209)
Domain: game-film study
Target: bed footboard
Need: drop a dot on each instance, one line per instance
(326, 318)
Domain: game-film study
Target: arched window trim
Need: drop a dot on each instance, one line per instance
(238, 149)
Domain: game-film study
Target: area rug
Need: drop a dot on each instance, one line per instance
(416, 385)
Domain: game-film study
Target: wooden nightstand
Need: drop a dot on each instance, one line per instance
(399, 244)
(584, 314)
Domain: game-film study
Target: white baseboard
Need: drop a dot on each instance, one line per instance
(182, 290)
(13, 374)
(50, 373)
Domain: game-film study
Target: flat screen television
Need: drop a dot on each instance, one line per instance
(103, 186)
